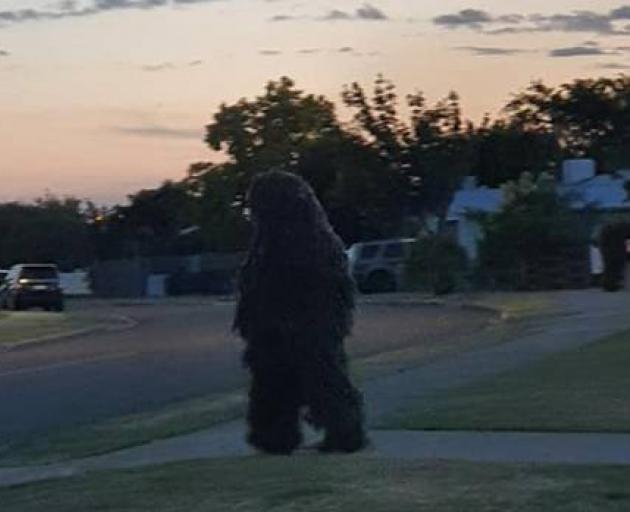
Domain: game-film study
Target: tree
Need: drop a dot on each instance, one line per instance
(219, 214)
(288, 129)
(272, 130)
(589, 117)
(442, 151)
(427, 156)
(504, 149)
(534, 224)
(50, 230)
(149, 225)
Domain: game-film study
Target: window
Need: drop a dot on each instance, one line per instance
(39, 273)
(394, 250)
(368, 252)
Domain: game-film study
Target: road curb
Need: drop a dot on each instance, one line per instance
(125, 321)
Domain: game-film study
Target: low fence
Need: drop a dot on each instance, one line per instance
(210, 273)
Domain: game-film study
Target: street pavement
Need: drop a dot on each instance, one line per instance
(177, 350)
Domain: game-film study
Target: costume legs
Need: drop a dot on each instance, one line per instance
(274, 406)
(334, 403)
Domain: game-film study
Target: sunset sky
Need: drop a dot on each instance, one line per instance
(99, 98)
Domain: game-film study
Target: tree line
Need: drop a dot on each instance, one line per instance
(395, 163)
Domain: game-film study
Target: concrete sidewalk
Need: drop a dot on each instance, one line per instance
(586, 317)
(228, 441)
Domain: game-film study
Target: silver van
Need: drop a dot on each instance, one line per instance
(379, 265)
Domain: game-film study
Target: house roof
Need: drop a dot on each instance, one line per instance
(602, 192)
(481, 199)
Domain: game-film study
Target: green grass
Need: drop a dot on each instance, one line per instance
(312, 483)
(123, 432)
(585, 390)
(17, 327)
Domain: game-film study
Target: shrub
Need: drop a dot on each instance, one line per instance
(534, 227)
(436, 263)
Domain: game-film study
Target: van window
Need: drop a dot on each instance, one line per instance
(394, 250)
(38, 273)
(368, 252)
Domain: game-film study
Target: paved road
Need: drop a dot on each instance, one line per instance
(177, 351)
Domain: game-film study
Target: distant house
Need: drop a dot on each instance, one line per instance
(604, 195)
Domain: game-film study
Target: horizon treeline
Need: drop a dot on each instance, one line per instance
(381, 174)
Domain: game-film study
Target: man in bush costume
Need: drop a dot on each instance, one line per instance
(295, 309)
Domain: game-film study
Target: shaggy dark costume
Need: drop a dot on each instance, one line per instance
(295, 308)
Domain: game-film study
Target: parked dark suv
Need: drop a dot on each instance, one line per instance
(32, 285)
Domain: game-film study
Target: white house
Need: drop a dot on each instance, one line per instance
(578, 182)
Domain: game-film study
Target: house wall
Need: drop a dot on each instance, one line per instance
(469, 235)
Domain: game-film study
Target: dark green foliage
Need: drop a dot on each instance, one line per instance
(427, 156)
(506, 149)
(218, 208)
(589, 117)
(613, 246)
(436, 263)
(533, 225)
(271, 131)
(149, 225)
(51, 230)
(289, 130)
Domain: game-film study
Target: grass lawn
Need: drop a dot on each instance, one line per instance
(328, 483)
(16, 327)
(123, 432)
(585, 390)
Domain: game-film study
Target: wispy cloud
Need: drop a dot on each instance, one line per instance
(367, 12)
(72, 9)
(471, 18)
(163, 66)
(282, 17)
(614, 66)
(484, 51)
(607, 23)
(578, 51)
(158, 131)
(166, 66)
(336, 14)
(621, 13)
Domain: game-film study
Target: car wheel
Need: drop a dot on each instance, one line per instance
(380, 282)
